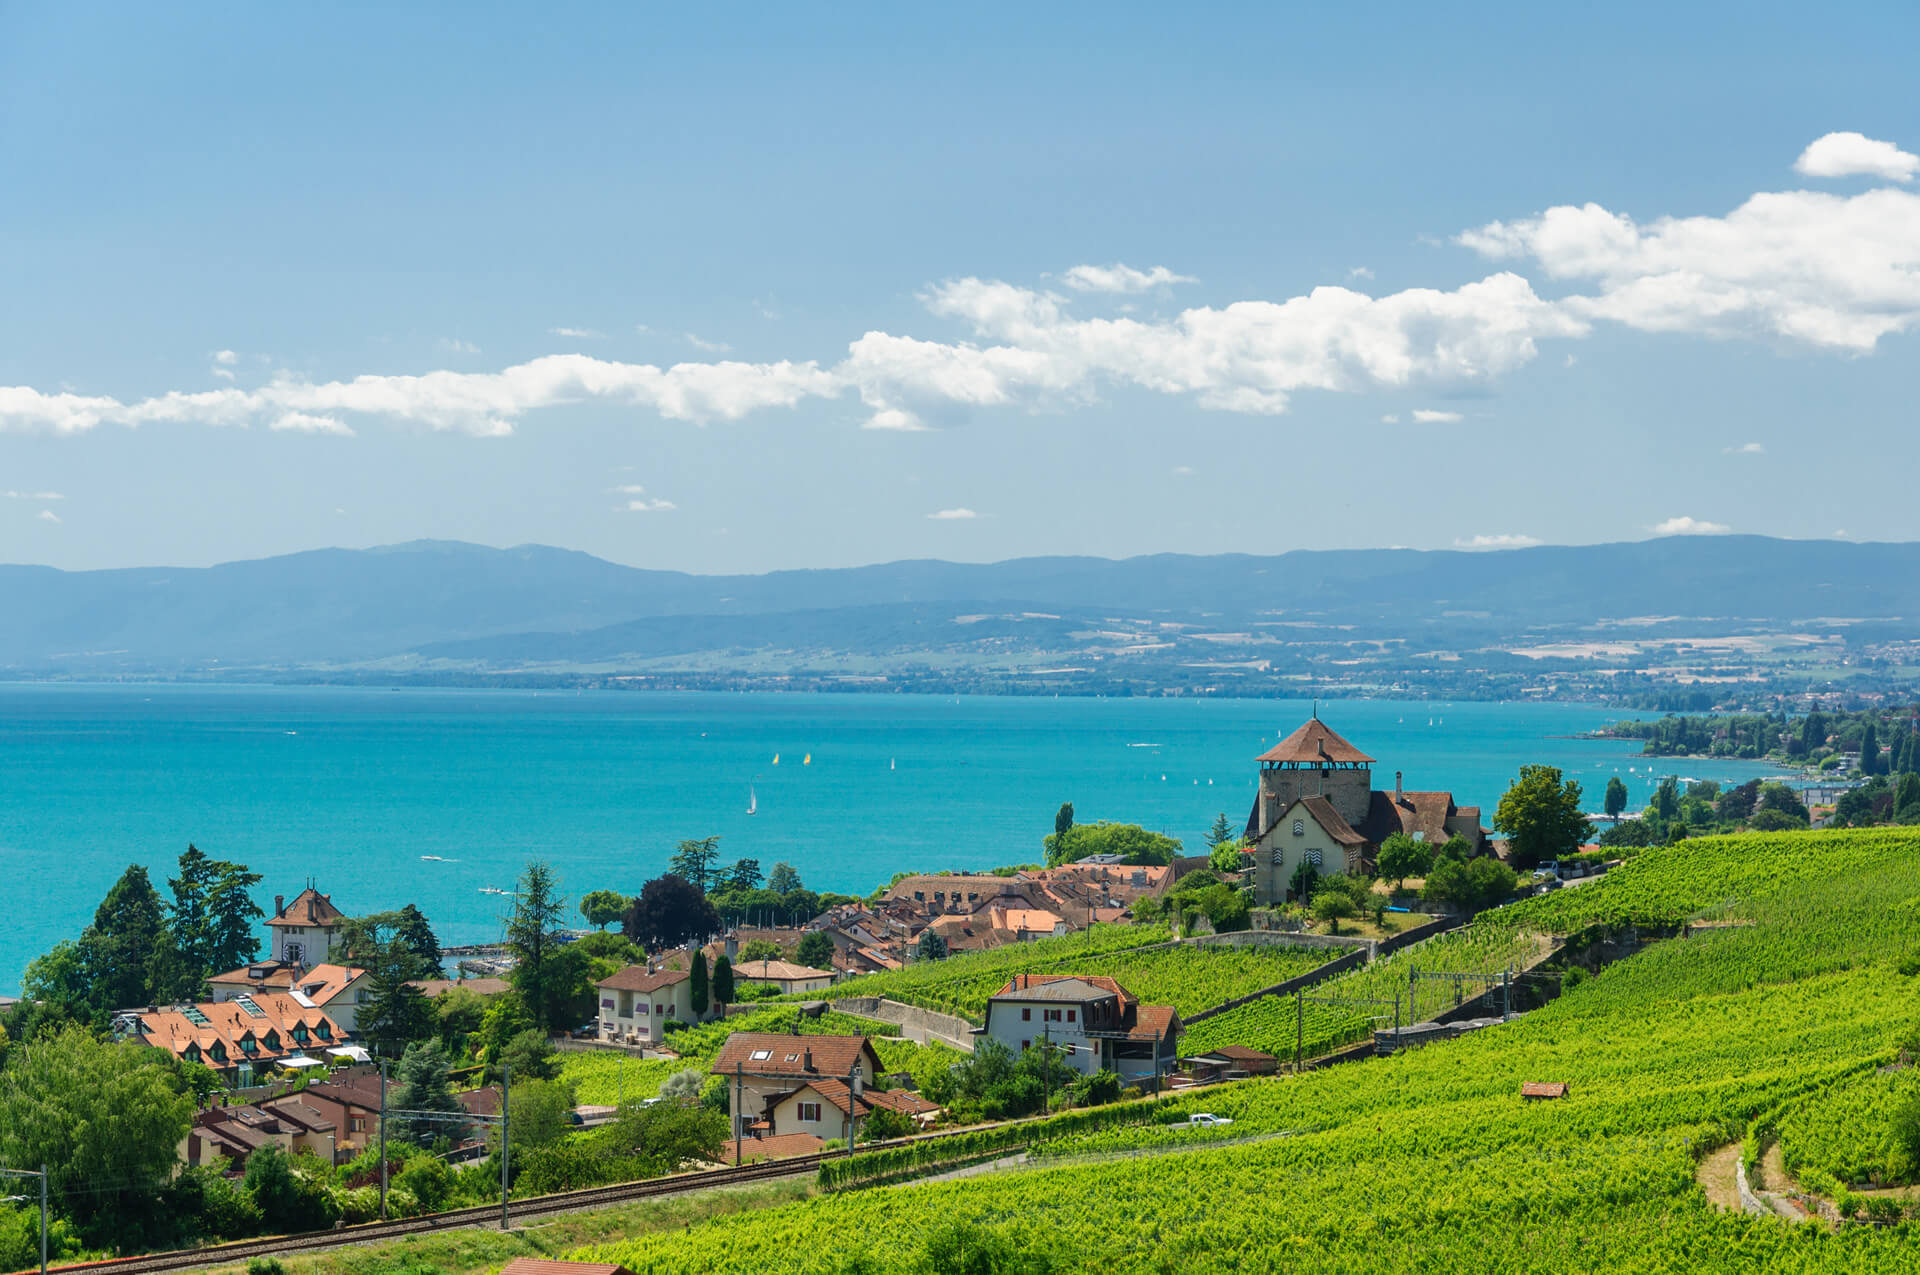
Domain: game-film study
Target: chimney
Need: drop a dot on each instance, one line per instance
(1396, 788)
(809, 1060)
(279, 905)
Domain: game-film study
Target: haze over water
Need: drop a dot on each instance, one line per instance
(352, 787)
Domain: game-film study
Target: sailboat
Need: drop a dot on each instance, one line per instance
(892, 764)
(776, 759)
(807, 760)
(753, 801)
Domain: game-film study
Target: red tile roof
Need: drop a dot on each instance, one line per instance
(309, 907)
(638, 978)
(1545, 1089)
(1155, 1022)
(788, 1055)
(1313, 742)
(1029, 982)
(552, 1266)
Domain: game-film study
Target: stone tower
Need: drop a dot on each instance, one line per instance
(1315, 761)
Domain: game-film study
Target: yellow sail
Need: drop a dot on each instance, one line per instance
(776, 759)
(807, 760)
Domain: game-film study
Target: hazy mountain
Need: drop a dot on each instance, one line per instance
(448, 600)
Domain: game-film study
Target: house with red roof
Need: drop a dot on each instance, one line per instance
(1095, 1022)
(638, 1002)
(1317, 807)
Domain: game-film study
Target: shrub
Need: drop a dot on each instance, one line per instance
(265, 1266)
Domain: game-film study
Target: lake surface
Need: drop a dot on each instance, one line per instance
(350, 788)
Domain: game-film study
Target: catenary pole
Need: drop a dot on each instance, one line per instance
(506, 1083)
(43, 1219)
(383, 1140)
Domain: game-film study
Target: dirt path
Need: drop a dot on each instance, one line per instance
(1716, 1177)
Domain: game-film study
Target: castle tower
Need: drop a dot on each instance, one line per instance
(1315, 761)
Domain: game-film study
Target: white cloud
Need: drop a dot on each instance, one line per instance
(1855, 155)
(47, 515)
(631, 489)
(1685, 526)
(1496, 542)
(1183, 470)
(1119, 278)
(709, 347)
(457, 346)
(1428, 416)
(1391, 418)
(303, 423)
(1360, 272)
(225, 358)
(31, 495)
(1744, 449)
(953, 515)
(583, 334)
(651, 506)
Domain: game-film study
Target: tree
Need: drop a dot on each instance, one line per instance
(694, 862)
(1783, 800)
(1401, 857)
(670, 910)
(602, 908)
(460, 1013)
(762, 950)
(423, 1084)
(128, 951)
(288, 1201)
(397, 1013)
(1472, 887)
(784, 879)
(104, 1118)
(542, 1113)
(418, 937)
(697, 984)
(744, 875)
(1738, 802)
(815, 951)
(1134, 844)
(1332, 906)
(1305, 880)
(1616, 799)
(1906, 798)
(723, 981)
(1541, 817)
(1063, 820)
(529, 1056)
(57, 981)
(1775, 821)
(932, 946)
(1870, 749)
(1227, 856)
(1666, 801)
(683, 1086)
(883, 1124)
(532, 938)
(1221, 832)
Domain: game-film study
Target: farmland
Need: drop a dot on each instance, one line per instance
(1430, 1160)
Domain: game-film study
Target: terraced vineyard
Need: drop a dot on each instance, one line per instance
(1430, 1160)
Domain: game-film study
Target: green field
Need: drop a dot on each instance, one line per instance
(1430, 1160)
(1189, 977)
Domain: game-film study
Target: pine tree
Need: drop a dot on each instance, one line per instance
(531, 937)
(418, 936)
(128, 951)
(723, 981)
(697, 983)
(695, 862)
(1220, 833)
(397, 1013)
(424, 1085)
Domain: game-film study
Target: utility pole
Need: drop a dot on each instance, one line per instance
(739, 1096)
(42, 1175)
(383, 1140)
(506, 1082)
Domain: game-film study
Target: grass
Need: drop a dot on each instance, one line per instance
(480, 1251)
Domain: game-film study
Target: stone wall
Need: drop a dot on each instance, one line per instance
(918, 1025)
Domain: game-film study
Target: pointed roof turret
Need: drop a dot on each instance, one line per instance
(1315, 744)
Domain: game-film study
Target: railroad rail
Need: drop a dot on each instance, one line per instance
(453, 1219)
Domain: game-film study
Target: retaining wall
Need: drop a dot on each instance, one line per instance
(916, 1024)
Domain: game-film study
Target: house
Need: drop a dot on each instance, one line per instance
(340, 990)
(1534, 1090)
(638, 1002)
(830, 1108)
(1317, 807)
(1095, 1021)
(350, 1101)
(1027, 924)
(1232, 1062)
(241, 1039)
(235, 1133)
(260, 976)
(784, 975)
(434, 988)
(765, 1065)
(303, 930)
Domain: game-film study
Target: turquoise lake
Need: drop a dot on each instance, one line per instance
(350, 788)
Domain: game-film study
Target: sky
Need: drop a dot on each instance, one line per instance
(738, 288)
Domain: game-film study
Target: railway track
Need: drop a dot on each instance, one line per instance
(453, 1219)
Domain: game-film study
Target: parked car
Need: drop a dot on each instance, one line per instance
(1206, 1120)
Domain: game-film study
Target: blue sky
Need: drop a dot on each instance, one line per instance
(759, 287)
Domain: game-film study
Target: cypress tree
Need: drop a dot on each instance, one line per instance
(697, 991)
(1869, 749)
(723, 981)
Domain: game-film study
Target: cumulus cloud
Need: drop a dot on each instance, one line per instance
(31, 495)
(47, 515)
(305, 423)
(1391, 418)
(1183, 470)
(952, 515)
(1685, 526)
(1503, 541)
(1360, 272)
(1745, 449)
(1856, 155)
(225, 358)
(1805, 268)
(1120, 278)
(1428, 416)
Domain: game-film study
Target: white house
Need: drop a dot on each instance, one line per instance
(637, 1003)
(1096, 1023)
(762, 1067)
(784, 975)
(830, 1108)
(303, 930)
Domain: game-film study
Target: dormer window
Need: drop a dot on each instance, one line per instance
(326, 1032)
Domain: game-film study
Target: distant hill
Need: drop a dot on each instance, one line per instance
(452, 603)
